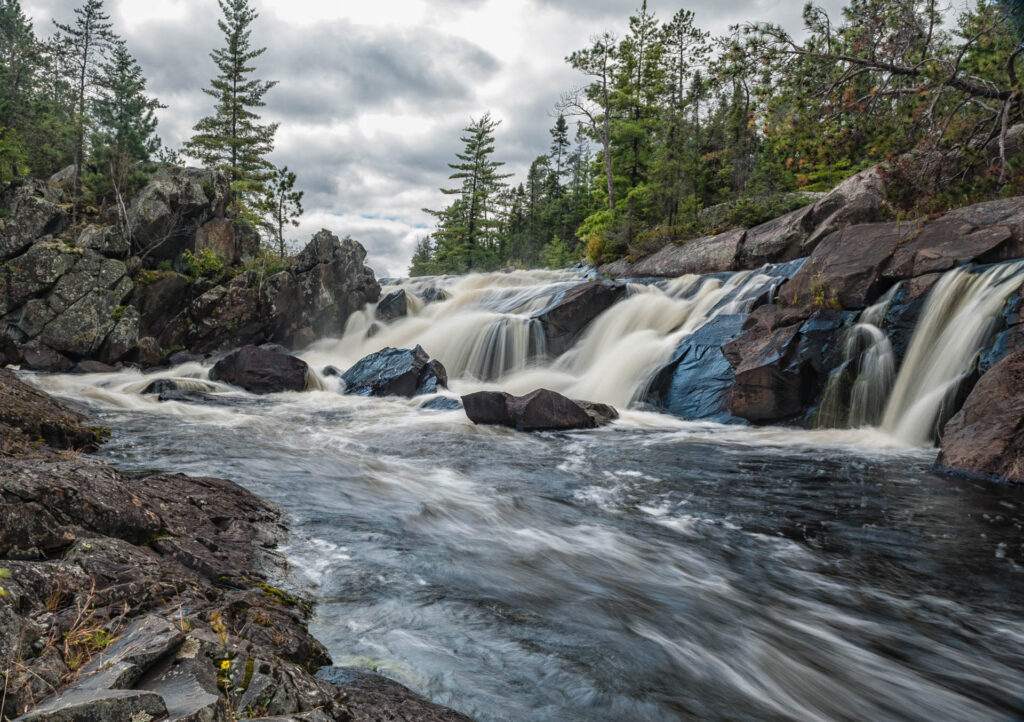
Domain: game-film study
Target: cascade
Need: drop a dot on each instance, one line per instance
(956, 322)
(857, 391)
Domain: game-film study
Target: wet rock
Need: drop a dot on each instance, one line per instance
(184, 357)
(395, 372)
(697, 382)
(31, 211)
(488, 408)
(986, 437)
(330, 371)
(433, 379)
(394, 305)
(443, 403)
(541, 410)
(370, 698)
(165, 215)
(432, 294)
(570, 312)
(326, 283)
(261, 371)
(781, 362)
(904, 311)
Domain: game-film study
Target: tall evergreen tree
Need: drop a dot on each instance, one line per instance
(233, 138)
(20, 57)
(467, 236)
(82, 46)
(125, 128)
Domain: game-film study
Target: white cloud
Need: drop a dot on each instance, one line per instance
(372, 96)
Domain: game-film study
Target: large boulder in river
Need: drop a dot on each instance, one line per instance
(697, 381)
(261, 371)
(541, 410)
(395, 372)
(393, 306)
(570, 312)
(782, 361)
(986, 437)
(327, 282)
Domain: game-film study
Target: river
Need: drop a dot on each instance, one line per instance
(655, 569)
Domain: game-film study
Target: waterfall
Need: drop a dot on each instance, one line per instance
(857, 391)
(955, 324)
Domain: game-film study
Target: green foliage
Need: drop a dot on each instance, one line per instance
(557, 254)
(281, 206)
(468, 234)
(233, 138)
(205, 264)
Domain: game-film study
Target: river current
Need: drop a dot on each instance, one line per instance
(656, 569)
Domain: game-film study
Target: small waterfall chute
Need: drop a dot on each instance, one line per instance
(956, 323)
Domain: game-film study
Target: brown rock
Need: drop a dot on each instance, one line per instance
(218, 236)
(569, 314)
(986, 437)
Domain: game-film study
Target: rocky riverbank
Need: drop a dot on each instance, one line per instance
(151, 597)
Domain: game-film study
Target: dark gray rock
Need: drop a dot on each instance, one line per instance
(100, 705)
(697, 382)
(571, 311)
(159, 298)
(105, 240)
(92, 367)
(326, 283)
(122, 664)
(540, 410)
(443, 403)
(261, 371)
(165, 215)
(432, 294)
(123, 339)
(31, 212)
(393, 306)
(395, 372)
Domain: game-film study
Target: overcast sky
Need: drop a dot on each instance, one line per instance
(372, 95)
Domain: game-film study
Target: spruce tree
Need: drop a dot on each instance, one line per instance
(233, 138)
(468, 230)
(125, 126)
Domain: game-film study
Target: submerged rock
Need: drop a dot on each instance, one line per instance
(570, 312)
(395, 372)
(393, 306)
(443, 403)
(261, 371)
(986, 437)
(540, 410)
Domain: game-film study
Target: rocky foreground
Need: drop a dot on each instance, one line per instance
(151, 597)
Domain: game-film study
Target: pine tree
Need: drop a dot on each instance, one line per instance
(232, 138)
(281, 205)
(559, 147)
(467, 236)
(20, 57)
(81, 47)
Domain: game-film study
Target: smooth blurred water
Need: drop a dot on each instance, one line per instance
(653, 570)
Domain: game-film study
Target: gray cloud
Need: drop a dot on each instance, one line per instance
(371, 113)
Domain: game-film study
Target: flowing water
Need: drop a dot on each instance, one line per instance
(656, 569)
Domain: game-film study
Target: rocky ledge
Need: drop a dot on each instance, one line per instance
(151, 597)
